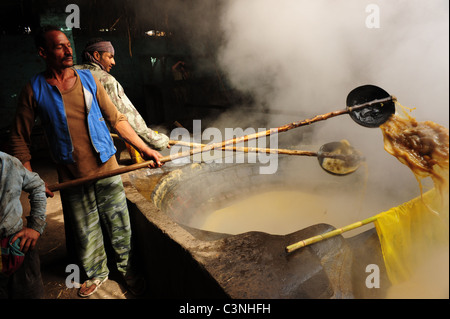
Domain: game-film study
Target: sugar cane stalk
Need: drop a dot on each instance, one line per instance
(333, 233)
(250, 149)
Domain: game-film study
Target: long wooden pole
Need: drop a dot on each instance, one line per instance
(250, 149)
(333, 233)
(283, 151)
(212, 146)
(133, 167)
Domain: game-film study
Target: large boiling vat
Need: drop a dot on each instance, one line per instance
(182, 260)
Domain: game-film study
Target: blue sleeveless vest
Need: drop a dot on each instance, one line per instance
(54, 120)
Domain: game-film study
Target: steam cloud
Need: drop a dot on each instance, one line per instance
(307, 55)
(303, 57)
(300, 58)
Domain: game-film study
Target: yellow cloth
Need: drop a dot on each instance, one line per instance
(134, 154)
(410, 231)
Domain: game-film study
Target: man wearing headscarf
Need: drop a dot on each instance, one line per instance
(98, 57)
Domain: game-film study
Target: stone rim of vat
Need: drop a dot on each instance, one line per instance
(255, 265)
(201, 188)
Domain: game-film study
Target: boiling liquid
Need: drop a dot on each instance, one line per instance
(279, 213)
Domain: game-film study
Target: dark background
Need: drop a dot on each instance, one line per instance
(143, 63)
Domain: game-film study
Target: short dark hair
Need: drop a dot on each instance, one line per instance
(39, 38)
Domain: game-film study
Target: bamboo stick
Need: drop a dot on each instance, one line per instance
(250, 149)
(333, 233)
(267, 150)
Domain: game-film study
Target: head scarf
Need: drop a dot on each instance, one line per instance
(102, 46)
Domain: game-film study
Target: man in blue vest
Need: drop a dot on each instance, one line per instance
(74, 108)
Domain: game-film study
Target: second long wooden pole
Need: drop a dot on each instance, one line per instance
(333, 233)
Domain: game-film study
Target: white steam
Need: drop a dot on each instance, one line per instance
(302, 58)
(307, 55)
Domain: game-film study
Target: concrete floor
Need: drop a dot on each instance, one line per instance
(52, 249)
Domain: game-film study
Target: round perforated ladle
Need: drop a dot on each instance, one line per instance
(381, 105)
(339, 158)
